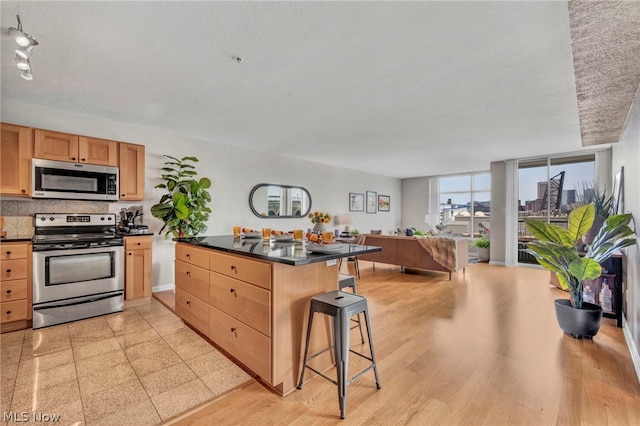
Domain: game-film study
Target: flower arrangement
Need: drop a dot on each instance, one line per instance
(319, 217)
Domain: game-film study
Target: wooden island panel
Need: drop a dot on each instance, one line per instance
(258, 310)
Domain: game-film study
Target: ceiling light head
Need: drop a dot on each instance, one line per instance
(23, 63)
(26, 75)
(22, 39)
(24, 52)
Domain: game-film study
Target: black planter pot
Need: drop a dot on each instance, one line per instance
(579, 323)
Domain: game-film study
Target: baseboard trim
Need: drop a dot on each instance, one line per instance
(164, 287)
(633, 349)
(495, 262)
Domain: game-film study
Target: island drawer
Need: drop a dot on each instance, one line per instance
(138, 243)
(192, 279)
(13, 269)
(245, 302)
(192, 310)
(13, 290)
(190, 254)
(244, 343)
(13, 251)
(13, 311)
(251, 271)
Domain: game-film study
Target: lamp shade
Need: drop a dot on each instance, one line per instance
(342, 219)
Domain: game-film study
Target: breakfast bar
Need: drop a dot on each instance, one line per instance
(251, 298)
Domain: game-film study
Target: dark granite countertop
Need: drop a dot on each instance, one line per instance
(290, 253)
(12, 238)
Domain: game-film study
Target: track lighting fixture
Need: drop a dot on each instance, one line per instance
(26, 42)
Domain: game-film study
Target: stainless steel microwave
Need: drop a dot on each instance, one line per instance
(73, 181)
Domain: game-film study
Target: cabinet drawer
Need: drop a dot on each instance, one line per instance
(13, 290)
(13, 311)
(192, 310)
(246, 302)
(251, 271)
(137, 243)
(13, 251)
(13, 269)
(193, 280)
(244, 343)
(193, 255)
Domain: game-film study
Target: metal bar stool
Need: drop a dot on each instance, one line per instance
(349, 281)
(340, 306)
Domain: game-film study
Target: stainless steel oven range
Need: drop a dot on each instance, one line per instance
(78, 267)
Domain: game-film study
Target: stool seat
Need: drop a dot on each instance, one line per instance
(340, 306)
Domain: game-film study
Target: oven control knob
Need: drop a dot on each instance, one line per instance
(43, 218)
(109, 218)
(51, 218)
(102, 218)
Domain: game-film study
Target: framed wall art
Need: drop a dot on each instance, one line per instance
(384, 203)
(356, 202)
(617, 200)
(372, 202)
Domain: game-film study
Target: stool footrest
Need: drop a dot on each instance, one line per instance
(322, 375)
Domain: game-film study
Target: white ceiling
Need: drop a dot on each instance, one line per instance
(401, 89)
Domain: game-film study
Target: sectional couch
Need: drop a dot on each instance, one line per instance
(430, 253)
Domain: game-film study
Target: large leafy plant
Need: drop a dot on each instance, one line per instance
(183, 209)
(556, 247)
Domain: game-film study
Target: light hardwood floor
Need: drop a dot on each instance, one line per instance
(481, 349)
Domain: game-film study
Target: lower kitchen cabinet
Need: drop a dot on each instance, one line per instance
(15, 285)
(137, 267)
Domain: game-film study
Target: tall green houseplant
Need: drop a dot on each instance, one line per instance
(556, 247)
(183, 209)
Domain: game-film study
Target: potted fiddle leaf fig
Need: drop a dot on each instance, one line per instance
(183, 209)
(556, 250)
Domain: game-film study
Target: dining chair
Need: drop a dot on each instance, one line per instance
(359, 240)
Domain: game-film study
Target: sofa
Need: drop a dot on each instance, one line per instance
(429, 253)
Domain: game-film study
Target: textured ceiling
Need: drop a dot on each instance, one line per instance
(401, 89)
(606, 54)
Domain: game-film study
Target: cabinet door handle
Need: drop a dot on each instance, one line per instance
(8, 252)
(24, 191)
(233, 329)
(233, 268)
(8, 271)
(8, 291)
(138, 243)
(130, 253)
(188, 256)
(73, 158)
(82, 159)
(188, 273)
(233, 290)
(123, 195)
(8, 312)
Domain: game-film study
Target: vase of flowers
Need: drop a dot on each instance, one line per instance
(319, 219)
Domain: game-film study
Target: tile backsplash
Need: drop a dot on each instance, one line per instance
(18, 214)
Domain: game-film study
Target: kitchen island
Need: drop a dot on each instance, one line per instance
(251, 298)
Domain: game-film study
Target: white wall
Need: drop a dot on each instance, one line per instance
(233, 173)
(626, 153)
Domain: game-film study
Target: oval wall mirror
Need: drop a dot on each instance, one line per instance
(273, 201)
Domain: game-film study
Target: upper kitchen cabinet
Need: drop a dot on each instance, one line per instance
(131, 171)
(15, 158)
(80, 149)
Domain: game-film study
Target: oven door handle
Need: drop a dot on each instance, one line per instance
(79, 302)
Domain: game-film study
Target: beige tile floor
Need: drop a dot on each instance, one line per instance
(141, 366)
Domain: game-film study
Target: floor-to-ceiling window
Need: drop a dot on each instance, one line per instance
(548, 189)
(465, 203)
